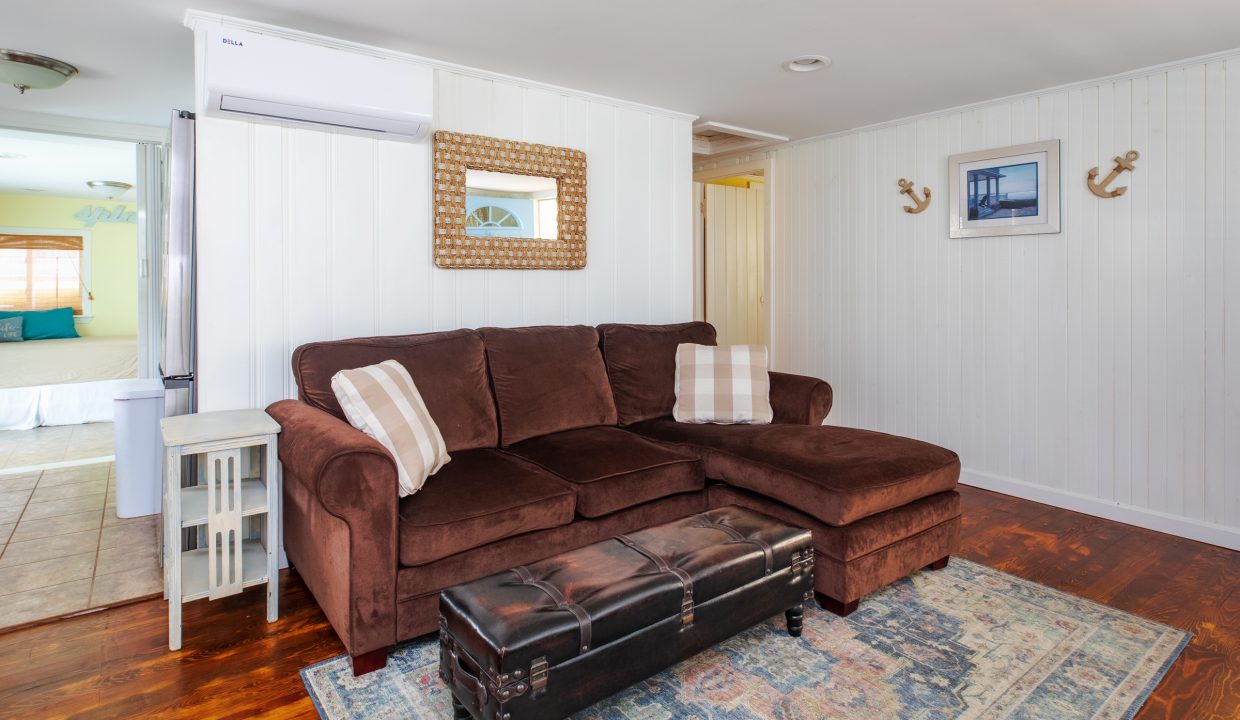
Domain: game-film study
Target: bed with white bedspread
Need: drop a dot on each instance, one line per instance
(65, 381)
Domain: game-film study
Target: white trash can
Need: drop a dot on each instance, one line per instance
(139, 448)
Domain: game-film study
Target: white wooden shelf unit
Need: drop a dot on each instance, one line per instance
(222, 495)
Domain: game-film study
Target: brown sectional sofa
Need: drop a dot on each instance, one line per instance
(561, 437)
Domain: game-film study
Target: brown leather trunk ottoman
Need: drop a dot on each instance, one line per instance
(547, 639)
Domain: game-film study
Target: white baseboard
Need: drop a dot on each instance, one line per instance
(1221, 535)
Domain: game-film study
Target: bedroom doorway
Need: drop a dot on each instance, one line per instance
(731, 244)
(71, 295)
(75, 307)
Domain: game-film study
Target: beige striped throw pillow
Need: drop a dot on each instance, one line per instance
(722, 384)
(382, 401)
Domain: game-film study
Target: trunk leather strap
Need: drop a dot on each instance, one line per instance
(768, 552)
(561, 603)
(686, 581)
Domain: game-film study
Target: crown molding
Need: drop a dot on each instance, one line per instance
(983, 104)
(199, 20)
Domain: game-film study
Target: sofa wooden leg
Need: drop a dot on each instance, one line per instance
(795, 617)
(371, 661)
(831, 605)
(939, 564)
(459, 711)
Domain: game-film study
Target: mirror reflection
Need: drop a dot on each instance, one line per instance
(509, 205)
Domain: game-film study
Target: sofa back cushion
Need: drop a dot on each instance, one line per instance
(449, 369)
(547, 379)
(383, 402)
(641, 364)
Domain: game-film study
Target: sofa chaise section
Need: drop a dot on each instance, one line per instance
(853, 561)
(836, 474)
(891, 496)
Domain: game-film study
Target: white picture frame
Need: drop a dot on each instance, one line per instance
(1006, 191)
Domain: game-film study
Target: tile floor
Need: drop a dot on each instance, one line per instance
(22, 448)
(62, 548)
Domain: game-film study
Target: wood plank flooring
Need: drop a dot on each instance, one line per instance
(115, 663)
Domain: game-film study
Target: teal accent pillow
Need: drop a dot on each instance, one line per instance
(11, 329)
(45, 324)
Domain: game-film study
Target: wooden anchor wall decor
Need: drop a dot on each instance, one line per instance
(1121, 164)
(906, 188)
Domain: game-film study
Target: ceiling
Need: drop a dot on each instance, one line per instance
(508, 182)
(891, 59)
(61, 165)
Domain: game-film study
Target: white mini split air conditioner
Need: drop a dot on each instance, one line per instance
(270, 79)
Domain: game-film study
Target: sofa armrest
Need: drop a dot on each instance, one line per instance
(799, 400)
(340, 522)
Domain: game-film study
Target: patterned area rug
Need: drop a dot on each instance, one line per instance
(964, 642)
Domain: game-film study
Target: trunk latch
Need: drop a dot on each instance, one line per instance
(538, 676)
(686, 610)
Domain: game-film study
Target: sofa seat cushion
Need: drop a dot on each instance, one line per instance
(835, 474)
(612, 469)
(481, 496)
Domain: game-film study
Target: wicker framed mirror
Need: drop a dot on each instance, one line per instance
(508, 204)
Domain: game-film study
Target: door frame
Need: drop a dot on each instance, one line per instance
(748, 164)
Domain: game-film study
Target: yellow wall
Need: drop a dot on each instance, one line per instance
(741, 181)
(114, 254)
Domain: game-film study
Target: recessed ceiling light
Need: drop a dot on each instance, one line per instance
(807, 63)
(11, 156)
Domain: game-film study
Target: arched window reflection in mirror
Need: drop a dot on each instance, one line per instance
(510, 205)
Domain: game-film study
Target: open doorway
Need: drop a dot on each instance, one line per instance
(69, 277)
(75, 333)
(731, 247)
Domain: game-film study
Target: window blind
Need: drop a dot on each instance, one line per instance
(40, 272)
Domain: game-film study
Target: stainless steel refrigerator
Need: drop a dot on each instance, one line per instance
(177, 326)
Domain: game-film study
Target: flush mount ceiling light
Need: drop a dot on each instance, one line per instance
(807, 63)
(110, 189)
(27, 71)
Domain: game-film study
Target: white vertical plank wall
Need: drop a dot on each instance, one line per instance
(734, 254)
(1096, 369)
(306, 235)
